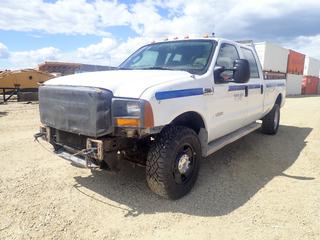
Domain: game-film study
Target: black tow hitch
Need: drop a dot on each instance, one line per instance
(39, 135)
(44, 133)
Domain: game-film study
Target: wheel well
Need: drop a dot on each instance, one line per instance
(191, 120)
(279, 99)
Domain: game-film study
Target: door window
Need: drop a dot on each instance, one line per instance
(227, 55)
(248, 54)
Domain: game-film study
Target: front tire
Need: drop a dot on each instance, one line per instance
(173, 162)
(270, 123)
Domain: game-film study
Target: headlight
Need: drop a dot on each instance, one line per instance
(133, 109)
(132, 113)
(126, 107)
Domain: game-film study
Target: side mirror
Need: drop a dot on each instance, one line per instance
(218, 70)
(241, 71)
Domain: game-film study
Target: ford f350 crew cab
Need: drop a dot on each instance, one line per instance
(167, 106)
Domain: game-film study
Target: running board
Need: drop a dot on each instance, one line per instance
(231, 137)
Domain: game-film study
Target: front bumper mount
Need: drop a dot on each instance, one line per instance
(90, 157)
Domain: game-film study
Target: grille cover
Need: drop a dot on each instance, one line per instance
(80, 110)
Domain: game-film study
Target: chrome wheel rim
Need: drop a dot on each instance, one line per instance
(184, 164)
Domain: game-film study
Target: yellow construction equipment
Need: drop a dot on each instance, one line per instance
(23, 79)
(22, 83)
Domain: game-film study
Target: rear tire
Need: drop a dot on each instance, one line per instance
(270, 123)
(173, 162)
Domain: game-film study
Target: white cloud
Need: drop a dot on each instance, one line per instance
(62, 16)
(112, 13)
(144, 16)
(28, 59)
(97, 51)
(124, 49)
(156, 19)
(228, 17)
(4, 52)
(307, 45)
(108, 51)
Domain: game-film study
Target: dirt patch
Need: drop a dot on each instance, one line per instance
(260, 187)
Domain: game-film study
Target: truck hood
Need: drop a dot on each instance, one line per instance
(123, 83)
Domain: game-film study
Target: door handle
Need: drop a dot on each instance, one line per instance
(246, 91)
(261, 88)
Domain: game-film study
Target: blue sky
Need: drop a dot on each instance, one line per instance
(106, 32)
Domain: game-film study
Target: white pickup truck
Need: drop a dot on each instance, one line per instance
(166, 107)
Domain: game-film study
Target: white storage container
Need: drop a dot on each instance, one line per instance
(272, 57)
(294, 83)
(311, 67)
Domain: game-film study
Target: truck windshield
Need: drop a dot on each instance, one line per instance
(188, 55)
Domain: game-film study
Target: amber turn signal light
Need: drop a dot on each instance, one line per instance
(148, 116)
(146, 119)
(128, 122)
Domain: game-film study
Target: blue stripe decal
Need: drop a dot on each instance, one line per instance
(179, 93)
(268, 85)
(236, 87)
(243, 87)
(199, 91)
(254, 86)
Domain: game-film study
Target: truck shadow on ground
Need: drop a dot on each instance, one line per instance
(2, 114)
(227, 179)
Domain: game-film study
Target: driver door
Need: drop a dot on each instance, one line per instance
(229, 101)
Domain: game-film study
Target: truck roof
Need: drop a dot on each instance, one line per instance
(245, 43)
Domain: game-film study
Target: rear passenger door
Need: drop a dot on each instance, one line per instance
(255, 96)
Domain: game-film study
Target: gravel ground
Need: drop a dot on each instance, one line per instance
(260, 187)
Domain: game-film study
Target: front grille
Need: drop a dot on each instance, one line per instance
(80, 110)
(70, 139)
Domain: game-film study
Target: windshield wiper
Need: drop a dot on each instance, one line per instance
(123, 68)
(156, 68)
